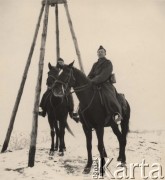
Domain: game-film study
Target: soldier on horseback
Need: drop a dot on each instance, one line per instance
(55, 71)
(102, 77)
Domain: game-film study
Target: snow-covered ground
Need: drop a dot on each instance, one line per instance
(13, 164)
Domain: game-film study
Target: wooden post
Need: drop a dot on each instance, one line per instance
(38, 90)
(19, 95)
(73, 36)
(57, 32)
(53, 2)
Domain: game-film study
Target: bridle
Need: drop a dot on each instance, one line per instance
(66, 84)
(54, 78)
(50, 88)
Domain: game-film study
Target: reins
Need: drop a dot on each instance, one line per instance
(82, 111)
(76, 89)
(79, 89)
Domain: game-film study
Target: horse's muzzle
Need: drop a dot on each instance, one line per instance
(58, 91)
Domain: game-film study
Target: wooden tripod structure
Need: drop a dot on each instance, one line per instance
(45, 8)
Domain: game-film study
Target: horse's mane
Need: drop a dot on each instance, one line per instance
(53, 72)
(77, 71)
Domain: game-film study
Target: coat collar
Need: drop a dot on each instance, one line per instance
(102, 59)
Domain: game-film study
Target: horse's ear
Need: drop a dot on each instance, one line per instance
(50, 66)
(71, 64)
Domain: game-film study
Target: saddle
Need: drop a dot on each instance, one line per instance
(120, 97)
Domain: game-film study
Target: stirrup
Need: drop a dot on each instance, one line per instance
(42, 113)
(117, 118)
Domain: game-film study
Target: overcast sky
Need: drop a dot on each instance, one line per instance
(132, 32)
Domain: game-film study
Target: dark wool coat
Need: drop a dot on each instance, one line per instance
(100, 76)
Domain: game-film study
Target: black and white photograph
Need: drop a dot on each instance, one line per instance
(82, 91)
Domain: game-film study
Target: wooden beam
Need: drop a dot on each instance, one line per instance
(74, 37)
(38, 91)
(57, 32)
(24, 77)
(54, 2)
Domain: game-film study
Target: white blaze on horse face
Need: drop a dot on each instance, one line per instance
(60, 72)
(63, 90)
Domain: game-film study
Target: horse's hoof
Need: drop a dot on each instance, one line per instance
(56, 148)
(122, 164)
(61, 153)
(102, 172)
(87, 170)
(119, 159)
(51, 153)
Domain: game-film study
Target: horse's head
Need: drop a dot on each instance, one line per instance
(65, 80)
(52, 75)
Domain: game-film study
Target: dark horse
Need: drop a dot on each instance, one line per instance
(57, 111)
(92, 113)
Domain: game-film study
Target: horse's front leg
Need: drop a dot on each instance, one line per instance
(101, 148)
(62, 144)
(88, 134)
(57, 136)
(52, 133)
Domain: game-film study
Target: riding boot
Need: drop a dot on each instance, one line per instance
(42, 113)
(70, 104)
(43, 103)
(75, 117)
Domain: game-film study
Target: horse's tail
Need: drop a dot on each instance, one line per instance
(69, 130)
(125, 122)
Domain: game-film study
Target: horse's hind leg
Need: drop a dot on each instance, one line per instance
(122, 142)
